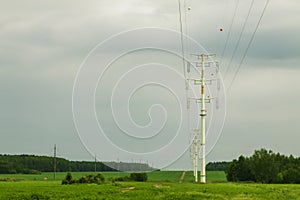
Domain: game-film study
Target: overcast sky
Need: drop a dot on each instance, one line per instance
(43, 44)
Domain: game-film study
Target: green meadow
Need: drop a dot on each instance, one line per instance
(160, 185)
(166, 176)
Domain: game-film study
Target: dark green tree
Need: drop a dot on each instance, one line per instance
(244, 172)
(291, 175)
(263, 166)
(232, 171)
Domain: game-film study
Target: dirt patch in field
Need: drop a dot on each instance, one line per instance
(161, 186)
(128, 189)
(182, 176)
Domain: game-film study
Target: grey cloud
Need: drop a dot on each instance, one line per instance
(44, 42)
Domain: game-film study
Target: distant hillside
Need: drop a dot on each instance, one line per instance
(31, 164)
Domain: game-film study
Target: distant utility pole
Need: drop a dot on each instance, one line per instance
(95, 163)
(54, 163)
(118, 166)
(140, 165)
(202, 100)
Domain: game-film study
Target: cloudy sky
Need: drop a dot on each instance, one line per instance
(43, 44)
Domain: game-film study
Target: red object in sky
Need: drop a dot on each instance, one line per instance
(221, 29)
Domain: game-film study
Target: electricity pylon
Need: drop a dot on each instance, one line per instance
(54, 162)
(202, 100)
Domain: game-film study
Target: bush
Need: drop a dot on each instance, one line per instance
(98, 179)
(67, 180)
(82, 180)
(64, 182)
(140, 177)
(123, 178)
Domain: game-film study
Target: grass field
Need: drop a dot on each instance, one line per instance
(166, 176)
(148, 190)
(160, 185)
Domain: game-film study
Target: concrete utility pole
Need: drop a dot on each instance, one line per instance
(54, 163)
(195, 154)
(95, 163)
(203, 114)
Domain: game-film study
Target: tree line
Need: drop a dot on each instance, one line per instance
(265, 166)
(217, 166)
(32, 164)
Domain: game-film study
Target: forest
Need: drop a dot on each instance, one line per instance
(32, 164)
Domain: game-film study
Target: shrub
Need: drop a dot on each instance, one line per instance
(140, 177)
(68, 179)
(123, 178)
(64, 182)
(82, 180)
(98, 179)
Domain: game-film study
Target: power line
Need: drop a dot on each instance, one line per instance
(248, 46)
(230, 28)
(181, 38)
(185, 17)
(183, 56)
(187, 8)
(220, 40)
(240, 37)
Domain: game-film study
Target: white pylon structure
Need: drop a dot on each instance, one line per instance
(54, 162)
(195, 154)
(203, 99)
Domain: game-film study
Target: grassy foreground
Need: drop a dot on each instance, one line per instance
(148, 190)
(166, 176)
(160, 185)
